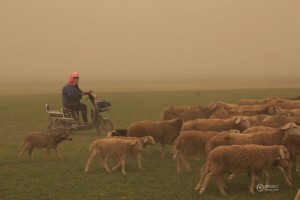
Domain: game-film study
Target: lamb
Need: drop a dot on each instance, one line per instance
(228, 159)
(163, 132)
(192, 143)
(114, 148)
(145, 141)
(279, 137)
(44, 140)
(117, 132)
(238, 123)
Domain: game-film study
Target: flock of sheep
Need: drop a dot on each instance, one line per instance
(250, 136)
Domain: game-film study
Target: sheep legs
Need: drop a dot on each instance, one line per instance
(207, 177)
(290, 169)
(104, 164)
(203, 172)
(90, 160)
(120, 162)
(284, 176)
(163, 150)
(252, 180)
(59, 155)
(220, 184)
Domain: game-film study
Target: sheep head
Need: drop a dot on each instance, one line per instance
(291, 129)
(283, 152)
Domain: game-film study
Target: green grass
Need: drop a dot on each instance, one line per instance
(56, 179)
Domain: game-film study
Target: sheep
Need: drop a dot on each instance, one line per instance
(228, 159)
(114, 148)
(248, 110)
(238, 123)
(279, 137)
(188, 113)
(146, 140)
(291, 112)
(292, 142)
(226, 106)
(277, 121)
(163, 132)
(192, 143)
(117, 132)
(44, 140)
(253, 101)
(255, 129)
(286, 103)
(297, 197)
(257, 110)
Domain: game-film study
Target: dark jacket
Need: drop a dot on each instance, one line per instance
(71, 95)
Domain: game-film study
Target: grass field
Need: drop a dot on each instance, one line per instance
(56, 179)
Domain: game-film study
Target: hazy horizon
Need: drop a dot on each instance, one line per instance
(149, 40)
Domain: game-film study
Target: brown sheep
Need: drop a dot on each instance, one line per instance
(238, 123)
(192, 143)
(257, 110)
(277, 121)
(114, 148)
(286, 103)
(255, 101)
(188, 113)
(163, 132)
(256, 129)
(279, 137)
(228, 159)
(44, 140)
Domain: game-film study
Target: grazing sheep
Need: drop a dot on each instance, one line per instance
(117, 132)
(229, 159)
(44, 140)
(163, 132)
(279, 137)
(114, 148)
(192, 143)
(238, 123)
(188, 113)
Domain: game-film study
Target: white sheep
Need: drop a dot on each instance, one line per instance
(117, 149)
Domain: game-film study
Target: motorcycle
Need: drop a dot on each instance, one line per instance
(69, 119)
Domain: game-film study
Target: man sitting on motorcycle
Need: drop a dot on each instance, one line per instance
(71, 96)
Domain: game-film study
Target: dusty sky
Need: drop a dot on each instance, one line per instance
(149, 39)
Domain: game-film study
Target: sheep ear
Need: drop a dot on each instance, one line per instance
(281, 152)
(145, 140)
(238, 120)
(287, 126)
(213, 106)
